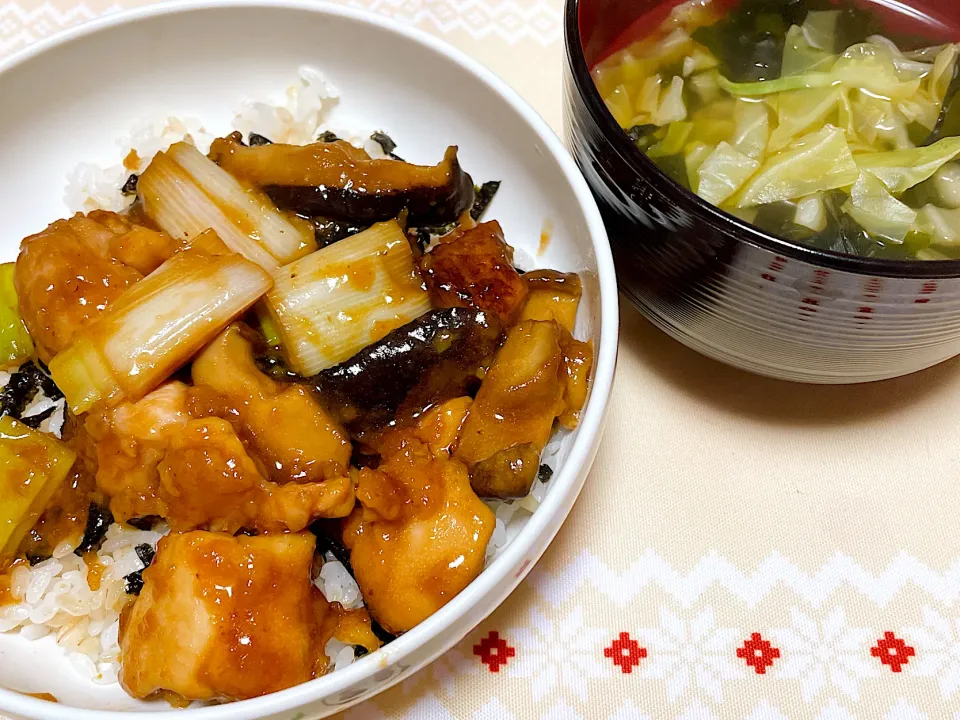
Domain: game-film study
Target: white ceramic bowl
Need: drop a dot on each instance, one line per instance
(69, 99)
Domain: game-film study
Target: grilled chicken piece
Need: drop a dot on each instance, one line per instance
(296, 439)
(69, 273)
(552, 296)
(512, 416)
(421, 533)
(224, 618)
(474, 268)
(127, 442)
(154, 458)
(208, 480)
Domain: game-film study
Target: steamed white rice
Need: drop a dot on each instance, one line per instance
(54, 597)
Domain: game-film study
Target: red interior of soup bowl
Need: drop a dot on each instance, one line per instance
(602, 22)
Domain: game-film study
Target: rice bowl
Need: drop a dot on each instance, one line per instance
(571, 248)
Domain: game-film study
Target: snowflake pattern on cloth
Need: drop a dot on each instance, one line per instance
(692, 652)
(822, 652)
(939, 643)
(559, 656)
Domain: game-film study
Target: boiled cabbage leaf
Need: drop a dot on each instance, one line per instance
(800, 56)
(724, 172)
(865, 66)
(900, 170)
(753, 128)
(802, 111)
(695, 154)
(674, 141)
(671, 107)
(877, 211)
(876, 120)
(941, 225)
(820, 29)
(811, 213)
(816, 162)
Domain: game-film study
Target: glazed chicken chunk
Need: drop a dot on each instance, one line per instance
(296, 439)
(156, 457)
(223, 618)
(421, 533)
(69, 273)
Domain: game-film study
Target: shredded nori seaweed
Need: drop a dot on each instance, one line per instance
(382, 635)
(130, 186)
(329, 230)
(328, 541)
(386, 144)
(544, 473)
(98, 520)
(360, 459)
(23, 386)
(327, 136)
(34, 421)
(144, 523)
(273, 364)
(483, 196)
(256, 140)
(134, 581)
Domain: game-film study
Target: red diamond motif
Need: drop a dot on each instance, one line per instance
(493, 651)
(625, 652)
(892, 651)
(758, 653)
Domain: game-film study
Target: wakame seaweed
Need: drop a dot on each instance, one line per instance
(99, 518)
(642, 135)
(749, 41)
(948, 122)
(133, 583)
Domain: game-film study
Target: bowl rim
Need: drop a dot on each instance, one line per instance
(487, 592)
(742, 231)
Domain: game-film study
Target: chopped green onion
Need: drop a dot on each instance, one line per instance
(15, 343)
(32, 466)
(341, 298)
(156, 326)
(186, 193)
